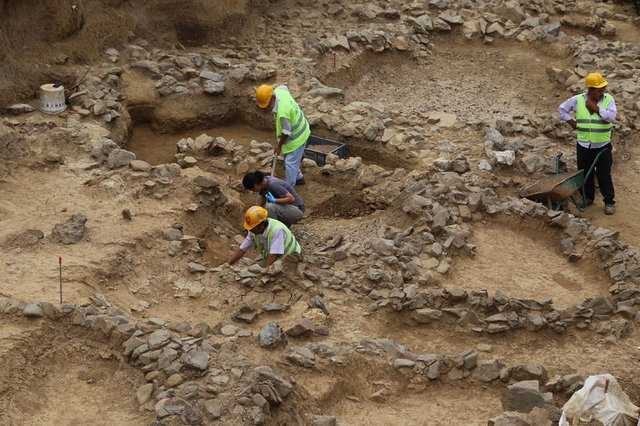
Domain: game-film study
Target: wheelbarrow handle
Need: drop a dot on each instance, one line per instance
(593, 165)
(557, 163)
(586, 176)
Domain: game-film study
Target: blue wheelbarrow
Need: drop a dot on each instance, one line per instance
(555, 190)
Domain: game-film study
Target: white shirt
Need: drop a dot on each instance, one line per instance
(277, 243)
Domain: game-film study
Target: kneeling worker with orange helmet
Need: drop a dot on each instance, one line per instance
(270, 238)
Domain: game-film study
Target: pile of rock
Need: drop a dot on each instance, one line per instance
(191, 373)
(359, 120)
(98, 95)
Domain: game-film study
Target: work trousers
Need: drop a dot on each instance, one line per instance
(285, 213)
(602, 171)
(292, 162)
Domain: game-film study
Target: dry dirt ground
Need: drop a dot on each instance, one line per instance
(57, 373)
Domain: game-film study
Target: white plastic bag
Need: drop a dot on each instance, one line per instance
(601, 398)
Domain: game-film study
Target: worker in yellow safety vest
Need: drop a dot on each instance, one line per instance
(595, 112)
(292, 128)
(269, 237)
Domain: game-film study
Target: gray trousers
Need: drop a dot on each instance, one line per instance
(285, 213)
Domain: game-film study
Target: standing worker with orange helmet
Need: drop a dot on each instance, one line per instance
(292, 128)
(270, 238)
(595, 111)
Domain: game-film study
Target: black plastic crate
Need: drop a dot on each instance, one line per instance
(320, 156)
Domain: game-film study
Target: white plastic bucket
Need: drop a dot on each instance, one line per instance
(52, 99)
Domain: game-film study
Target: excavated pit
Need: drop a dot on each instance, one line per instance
(344, 206)
(348, 394)
(160, 148)
(65, 378)
(441, 405)
(523, 260)
(475, 81)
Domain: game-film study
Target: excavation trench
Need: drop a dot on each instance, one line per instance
(60, 377)
(523, 260)
(160, 148)
(157, 147)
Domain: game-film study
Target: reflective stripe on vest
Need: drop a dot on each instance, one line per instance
(289, 109)
(290, 244)
(592, 129)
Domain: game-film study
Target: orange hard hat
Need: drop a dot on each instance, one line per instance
(254, 216)
(595, 80)
(264, 93)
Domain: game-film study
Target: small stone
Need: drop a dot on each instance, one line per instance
(172, 234)
(70, 232)
(485, 165)
(158, 338)
(323, 421)
(196, 268)
(205, 182)
(99, 108)
(505, 157)
(470, 360)
(140, 166)
(274, 307)
(403, 363)
(271, 335)
(221, 380)
(32, 310)
(304, 327)
(229, 330)
(245, 314)
(426, 315)
(213, 88)
(20, 109)
(528, 372)
(197, 359)
(213, 408)
(120, 158)
(509, 419)
(488, 371)
(189, 161)
(433, 372)
(144, 392)
(211, 76)
(302, 357)
(174, 380)
(50, 311)
(523, 397)
(152, 375)
(259, 401)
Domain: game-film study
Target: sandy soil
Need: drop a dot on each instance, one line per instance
(524, 262)
(58, 377)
